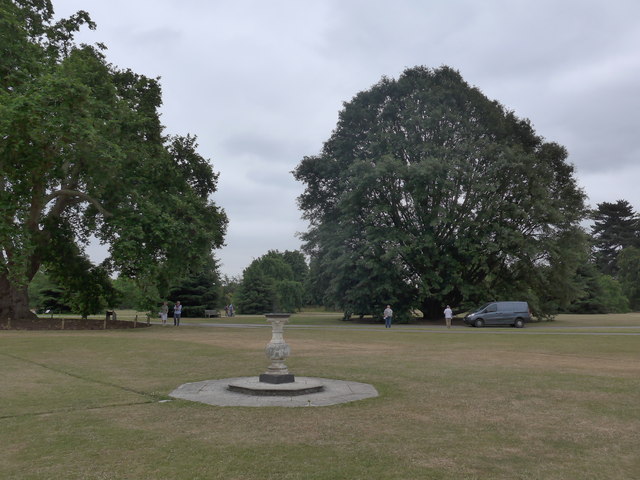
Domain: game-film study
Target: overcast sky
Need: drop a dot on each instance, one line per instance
(261, 82)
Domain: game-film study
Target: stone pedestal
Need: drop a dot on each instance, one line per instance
(277, 351)
(276, 381)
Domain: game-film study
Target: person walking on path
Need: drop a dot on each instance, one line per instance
(388, 316)
(177, 313)
(164, 312)
(448, 315)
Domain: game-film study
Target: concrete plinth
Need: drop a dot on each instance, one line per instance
(216, 392)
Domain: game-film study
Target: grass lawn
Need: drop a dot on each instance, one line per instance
(465, 404)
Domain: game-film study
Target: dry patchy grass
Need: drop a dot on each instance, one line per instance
(452, 406)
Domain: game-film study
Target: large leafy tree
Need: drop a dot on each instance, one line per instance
(82, 152)
(273, 282)
(427, 193)
(616, 226)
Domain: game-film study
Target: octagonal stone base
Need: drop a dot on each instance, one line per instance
(217, 392)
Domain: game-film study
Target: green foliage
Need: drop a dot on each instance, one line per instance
(82, 149)
(199, 290)
(88, 288)
(87, 291)
(295, 259)
(90, 292)
(46, 296)
(554, 287)
(129, 294)
(616, 226)
(256, 294)
(427, 193)
(290, 295)
(599, 293)
(40, 283)
(614, 299)
(53, 301)
(230, 286)
(628, 263)
(273, 283)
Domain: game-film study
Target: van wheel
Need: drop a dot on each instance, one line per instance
(519, 323)
(478, 323)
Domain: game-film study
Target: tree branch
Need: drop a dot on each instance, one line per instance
(81, 195)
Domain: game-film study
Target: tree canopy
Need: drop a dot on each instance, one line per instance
(199, 290)
(83, 153)
(428, 193)
(616, 226)
(273, 283)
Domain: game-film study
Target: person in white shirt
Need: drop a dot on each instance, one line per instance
(448, 315)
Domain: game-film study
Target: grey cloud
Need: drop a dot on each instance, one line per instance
(280, 150)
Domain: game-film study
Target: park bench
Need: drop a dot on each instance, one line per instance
(211, 313)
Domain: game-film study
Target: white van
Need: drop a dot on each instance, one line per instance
(500, 313)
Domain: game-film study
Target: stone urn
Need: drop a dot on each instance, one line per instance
(277, 351)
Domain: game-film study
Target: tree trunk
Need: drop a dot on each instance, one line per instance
(14, 301)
